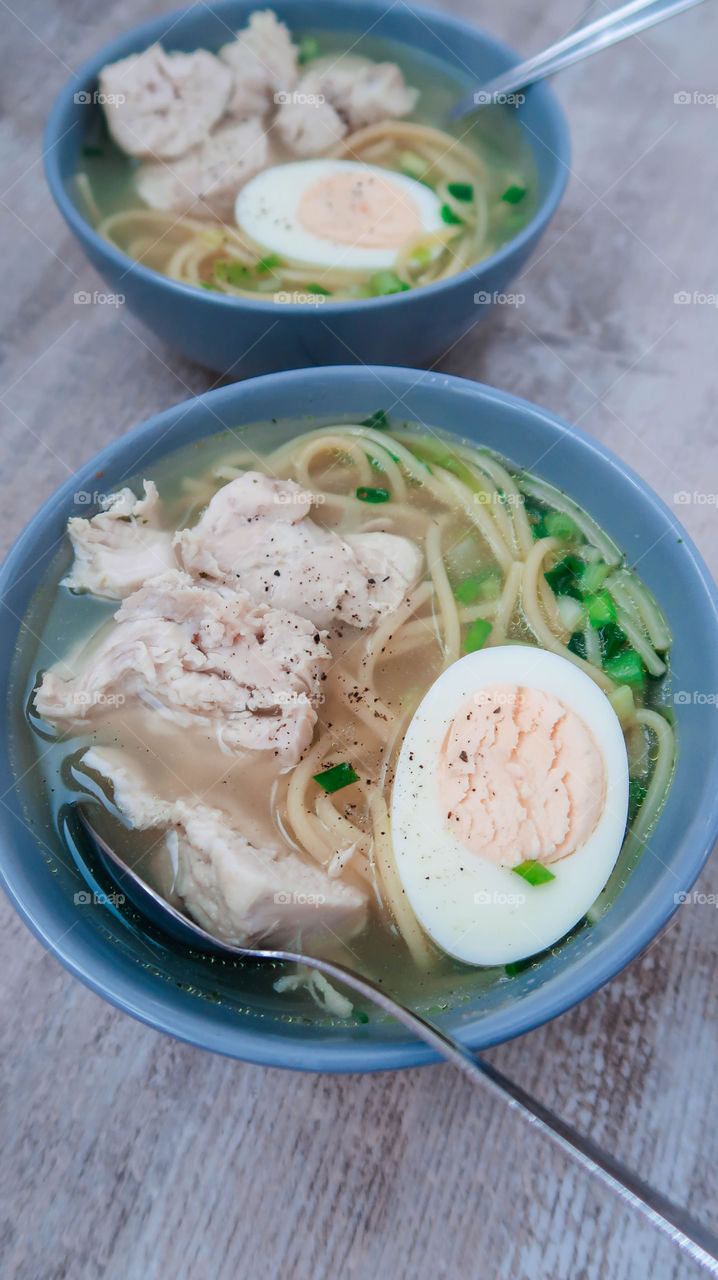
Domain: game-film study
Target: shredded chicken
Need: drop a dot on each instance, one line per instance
(263, 64)
(256, 536)
(238, 892)
(160, 104)
(364, 92)
(205, 181)
(249, 672)
(121, 547)
(308, 124)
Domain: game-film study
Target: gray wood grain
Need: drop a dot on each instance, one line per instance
(126, 1155)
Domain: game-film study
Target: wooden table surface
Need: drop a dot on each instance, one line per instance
(127, 1155)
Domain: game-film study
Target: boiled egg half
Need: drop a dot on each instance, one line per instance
(509, 803)
(336, 213)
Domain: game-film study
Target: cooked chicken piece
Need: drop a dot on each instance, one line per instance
(121, 547)
(205, 181)
(256, 535)
(160, 104)
(235, 890)
(198, 655)
(308, 124)
(263, 64)
(366, 92)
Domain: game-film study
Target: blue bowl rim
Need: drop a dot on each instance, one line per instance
(251, 1043)
(152, 29)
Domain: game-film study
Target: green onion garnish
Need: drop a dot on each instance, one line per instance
(383, 283)
(266, 264)
(477, 635)
(560, 525)
(513, 194)
(317, 288)
(601, 609)
(577, 644)
(517, 966)
(308, 48)
(480, 586)
(612, 640)
(365, 494)
(594, 575)
(378, 421)
(88, 151)
(626, 668)
(563, 579)
(448, 215)
(534, 872)
(232, 272)
(461, 190)
(413, 165)
(340, 775)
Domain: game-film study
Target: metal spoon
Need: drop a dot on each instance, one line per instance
(670, 1218)
(614, 26)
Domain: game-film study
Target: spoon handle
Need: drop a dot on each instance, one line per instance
(673, 1220)
(635, 16)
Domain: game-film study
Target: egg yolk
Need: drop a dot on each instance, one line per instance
(521, 777)
(368, 211)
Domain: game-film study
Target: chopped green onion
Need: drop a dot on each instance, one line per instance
(378, 421)
(558, 524)
(361, 1016)
(513, 194)
(534, 872)
(206, 284)
(232, 272)
(421, 256)
(563, 578)
(517, 966)
(340, 775)
(622, 702)
(448, 216)
(383, 283)
(364, 494)
(88, 151)
(317, 288)
(413, 165)
(477, 635)
(308, 49)
(461, 190)
(612, 640)
(267, 264)
(480, 586)
(636, 795)
(626, 668)
(593, 576)
(601, 609)
(577, 644)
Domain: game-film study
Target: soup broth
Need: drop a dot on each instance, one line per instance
(481, 562)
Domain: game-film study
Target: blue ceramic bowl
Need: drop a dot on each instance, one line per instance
(244, 337)
(238, 1013)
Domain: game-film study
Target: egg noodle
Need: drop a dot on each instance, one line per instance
(211, 255)
(445, 496)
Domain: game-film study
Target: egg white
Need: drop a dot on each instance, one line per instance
(482, 913)
(266, 211)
